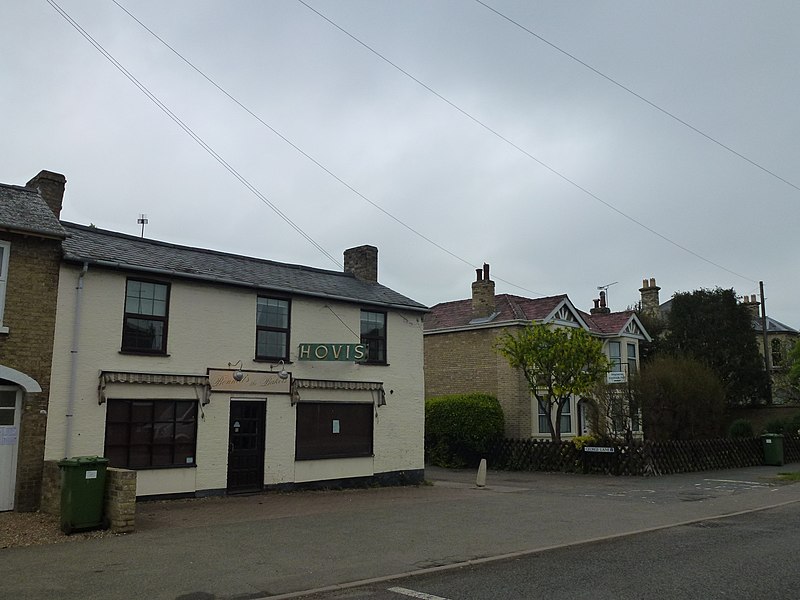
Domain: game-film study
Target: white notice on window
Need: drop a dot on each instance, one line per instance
(336, 426)
(91, 474)
(8, 436)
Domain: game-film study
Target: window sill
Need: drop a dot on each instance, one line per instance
(161, 468)
(374, 364)
(3, 329)
(334, 457)
(135, 353)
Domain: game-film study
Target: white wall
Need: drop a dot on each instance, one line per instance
(209, 327)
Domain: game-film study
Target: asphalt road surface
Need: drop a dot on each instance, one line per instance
(750, 556)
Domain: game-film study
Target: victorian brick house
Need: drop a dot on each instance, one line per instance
(774, 346)
(460, 354)
(30, 257)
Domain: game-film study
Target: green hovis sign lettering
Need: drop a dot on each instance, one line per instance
(342, 352)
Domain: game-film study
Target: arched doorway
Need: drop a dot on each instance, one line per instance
(13, 386)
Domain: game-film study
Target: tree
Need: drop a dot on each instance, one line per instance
(786, 381)
(557, 363)
(612, 411)
(712, 327)
(681, 399)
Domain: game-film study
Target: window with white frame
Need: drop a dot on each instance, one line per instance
(615, 356)
(5, 250)
(566, 419)
(631, 359)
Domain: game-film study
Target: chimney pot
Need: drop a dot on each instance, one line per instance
(483, 302)
(652, 282)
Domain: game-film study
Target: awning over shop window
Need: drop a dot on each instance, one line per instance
(198, 381)
(374, 387)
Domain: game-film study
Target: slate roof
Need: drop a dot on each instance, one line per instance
(773, 326)
(24, 210)
(116, 250)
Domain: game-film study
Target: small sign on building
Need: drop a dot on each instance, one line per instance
(616, 377)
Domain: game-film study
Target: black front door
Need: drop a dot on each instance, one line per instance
(246, 446)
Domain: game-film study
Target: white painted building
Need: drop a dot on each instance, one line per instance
(214, 373)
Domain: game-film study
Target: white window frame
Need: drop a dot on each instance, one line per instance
(6, 246)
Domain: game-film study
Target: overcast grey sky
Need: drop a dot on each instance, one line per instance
(729, 68)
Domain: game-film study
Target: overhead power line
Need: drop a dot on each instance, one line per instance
(188, 130)
(639, 96)
(306, 154)
(500, 136)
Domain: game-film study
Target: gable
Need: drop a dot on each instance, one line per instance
(566, 314)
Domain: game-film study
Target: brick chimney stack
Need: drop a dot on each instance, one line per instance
(362, 262)
(483, 304)
(649, 292)
(600, 307)
(752, 304)
(51, 188)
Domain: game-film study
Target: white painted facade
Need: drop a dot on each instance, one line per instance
(211, 326)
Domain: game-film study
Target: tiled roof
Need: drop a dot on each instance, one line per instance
(452, 315)
(508, 308)
(130, 253)
(23, 209)
(609, 323)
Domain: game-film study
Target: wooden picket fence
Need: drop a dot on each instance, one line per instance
(638, 458)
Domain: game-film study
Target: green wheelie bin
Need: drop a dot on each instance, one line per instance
(773, 449)
(83, 482)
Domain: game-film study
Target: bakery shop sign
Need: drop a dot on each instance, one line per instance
(333, 352)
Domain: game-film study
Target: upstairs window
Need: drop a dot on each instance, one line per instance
(145, 326)
(373, 335)
(631, 359)
(777, 353)
(615, 356)
(5, 249)
(272, 328)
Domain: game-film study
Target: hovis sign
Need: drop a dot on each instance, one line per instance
(341, 352)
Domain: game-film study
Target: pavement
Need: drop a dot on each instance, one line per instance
(286, 545)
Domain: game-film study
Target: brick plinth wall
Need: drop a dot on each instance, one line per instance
(119, 504)
(51, 488)
(120, 500)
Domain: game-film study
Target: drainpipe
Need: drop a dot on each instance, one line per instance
(73, 370)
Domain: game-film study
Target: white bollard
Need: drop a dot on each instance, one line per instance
(481, 480)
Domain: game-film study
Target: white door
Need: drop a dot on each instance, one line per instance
(10, 409)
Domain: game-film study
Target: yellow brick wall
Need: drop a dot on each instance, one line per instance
(466, 361)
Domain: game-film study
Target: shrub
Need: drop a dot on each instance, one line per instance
(741, 428)
(681, 399)
(461, 428)
(777, 426)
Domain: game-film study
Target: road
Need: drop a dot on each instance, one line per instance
(751, 556)
(284, 545)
